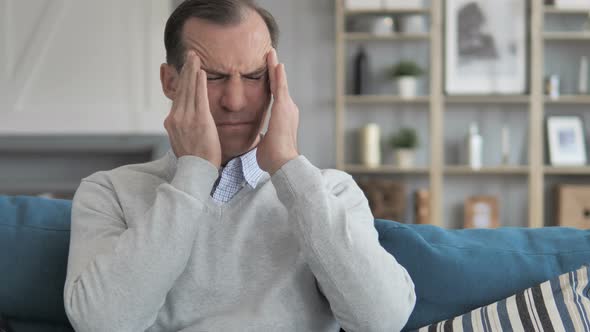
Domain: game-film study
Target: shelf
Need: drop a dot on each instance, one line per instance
(567, 170)
(424, 11)
(497, 170)
(569, 99)
(556, 36)
(557, 10)
(385, 99)
(358, 36)
(488, 99)
(385, 169)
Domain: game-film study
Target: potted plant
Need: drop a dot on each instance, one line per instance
(404, 144)
(404, 73)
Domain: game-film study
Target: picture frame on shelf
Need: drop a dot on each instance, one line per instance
(566, 141)
(481, 212)
(485, 53)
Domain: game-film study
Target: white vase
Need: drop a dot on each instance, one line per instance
(406, 86)
(405, 158)
(370, 148)
(412, 24)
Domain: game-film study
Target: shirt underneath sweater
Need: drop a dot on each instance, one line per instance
(151, 251)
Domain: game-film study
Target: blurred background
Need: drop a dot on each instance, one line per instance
(459, 113)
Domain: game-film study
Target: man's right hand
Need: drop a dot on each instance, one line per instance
(190, 125)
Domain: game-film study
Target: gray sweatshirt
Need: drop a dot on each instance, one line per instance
(151, 251)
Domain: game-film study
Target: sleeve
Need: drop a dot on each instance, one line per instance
(118, 277)
(366, 287)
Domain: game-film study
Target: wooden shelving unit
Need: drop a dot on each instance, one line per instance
(392, 37)
(498, 170)
(488, 99)
(567, 11)
(562, 170)
(349, 12)
(386, 99)
(438, 104)
(568, 99)
(566, 36)
(385, 170)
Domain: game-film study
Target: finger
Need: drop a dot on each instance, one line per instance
(191, 95)
(282, 87)
(180, 98)
(202, 103)
(272, 61)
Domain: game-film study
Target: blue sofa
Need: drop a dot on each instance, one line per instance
(454, 271)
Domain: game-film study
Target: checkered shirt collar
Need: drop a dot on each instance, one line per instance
(245, 167)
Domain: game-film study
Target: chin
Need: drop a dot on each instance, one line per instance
(238, 145)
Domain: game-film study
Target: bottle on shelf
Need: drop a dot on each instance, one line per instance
(361, 72)
(583, 79)
(474, 147)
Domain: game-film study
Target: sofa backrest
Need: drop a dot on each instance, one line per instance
(454, 271)
(34, 243)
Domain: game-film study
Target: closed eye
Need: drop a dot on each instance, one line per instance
(255, 77)
(215, 77)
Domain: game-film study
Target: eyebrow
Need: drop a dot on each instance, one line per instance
(256, 72)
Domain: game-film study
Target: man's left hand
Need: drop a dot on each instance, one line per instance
(279, 145)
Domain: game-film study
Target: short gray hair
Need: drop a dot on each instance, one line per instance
(223, 12)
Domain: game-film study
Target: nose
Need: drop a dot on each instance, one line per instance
(233, 98)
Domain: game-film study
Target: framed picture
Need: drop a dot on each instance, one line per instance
(481, 212)
(566, 139)
(485, 51)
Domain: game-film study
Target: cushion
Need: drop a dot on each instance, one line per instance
(456, 271)
(559, 304)
(34, 242)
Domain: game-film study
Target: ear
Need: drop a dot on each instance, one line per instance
(169, 79)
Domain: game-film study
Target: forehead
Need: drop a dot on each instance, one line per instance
(234, 47)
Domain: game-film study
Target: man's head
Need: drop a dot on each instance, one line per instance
(232, 38)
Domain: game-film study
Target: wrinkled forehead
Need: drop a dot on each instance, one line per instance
(238, 47)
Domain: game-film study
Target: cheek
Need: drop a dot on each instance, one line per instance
(214, 92)
(258, 96)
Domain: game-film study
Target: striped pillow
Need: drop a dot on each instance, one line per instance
(560, 304)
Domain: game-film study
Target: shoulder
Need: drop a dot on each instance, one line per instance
(334, 177)
(135, 175)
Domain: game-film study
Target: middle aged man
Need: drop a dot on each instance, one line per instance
(231, 230)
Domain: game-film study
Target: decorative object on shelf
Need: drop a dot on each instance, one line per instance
(404, 144)
(370, 147)
(422, 206)
(411, 24)
(552, 86)
(397, 4)
(573, 206)
(566, 140)
(485, 53)
(362, 4)
(572, 4)
(505, 146)
(405, 74)
(481, 212)
(382, 25)
(583, 79)
(361, 72)
(474, 145)
(387, 198)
